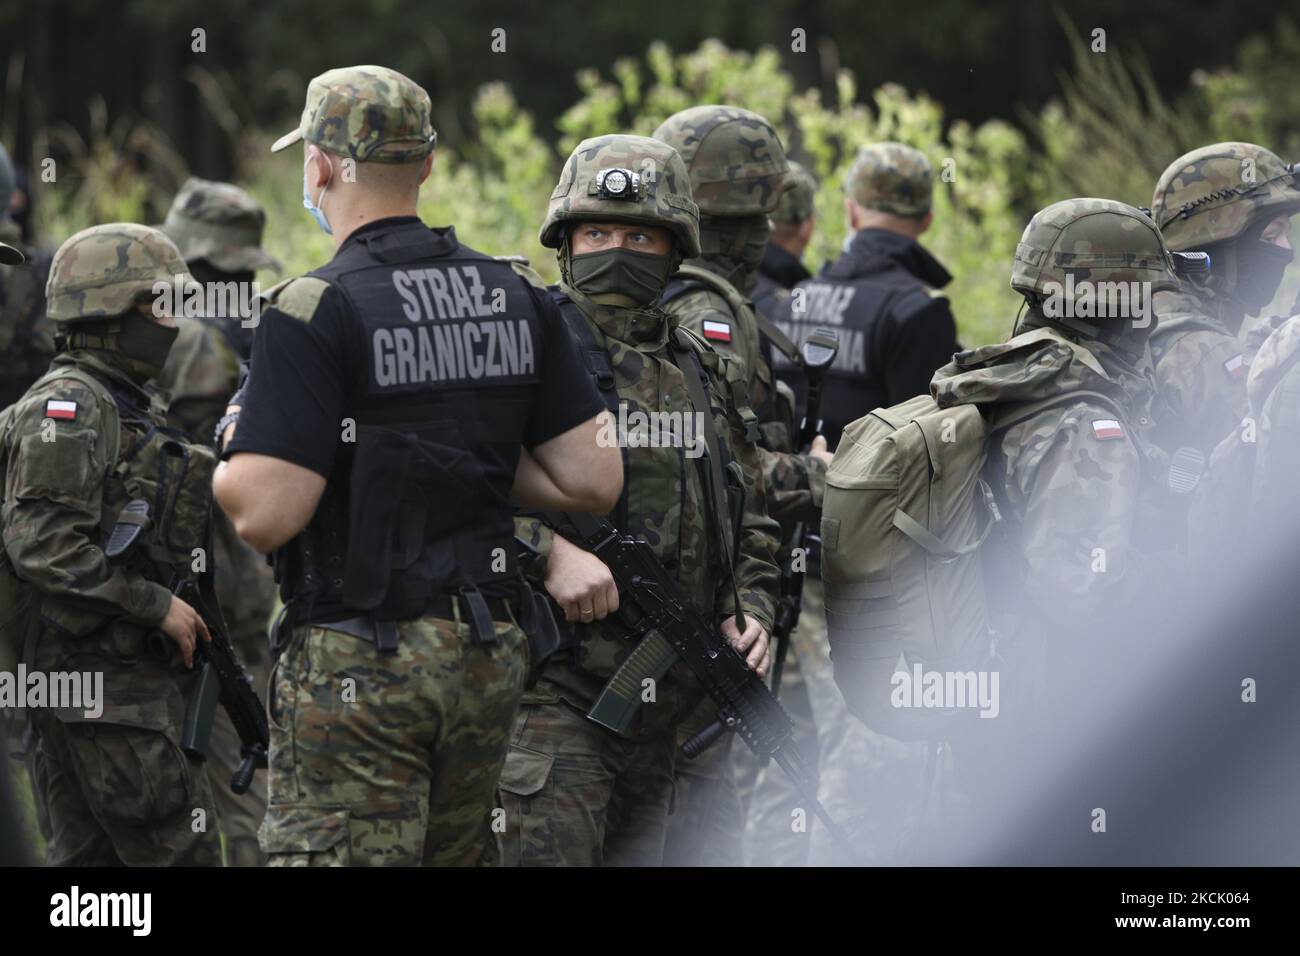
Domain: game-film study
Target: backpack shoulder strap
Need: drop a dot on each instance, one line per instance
(738, 303)
(686, 357)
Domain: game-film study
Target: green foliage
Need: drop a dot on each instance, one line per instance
(1109, 134)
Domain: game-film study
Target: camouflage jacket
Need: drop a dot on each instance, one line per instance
(26, 335)
(1073, 475)
(1200, 366)
(666, 501)
(201, 374)
(795, 483)
(66, 481)
(1274, 391)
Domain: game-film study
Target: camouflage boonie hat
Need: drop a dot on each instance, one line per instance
(370, 113)
(797, 202)
(1215, 192)
(620, 178)
(1097, 240)
(103, 271)
(735, 158)
(891, 177)
(218, 223)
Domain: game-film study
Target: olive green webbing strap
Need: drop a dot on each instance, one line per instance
(693, 373)
(740, 304)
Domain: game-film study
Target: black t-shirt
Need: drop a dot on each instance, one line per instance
(306, 374)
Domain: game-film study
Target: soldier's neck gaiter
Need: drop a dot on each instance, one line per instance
(144, 345)
(620, 277)
(733, 248)
(1260, 266)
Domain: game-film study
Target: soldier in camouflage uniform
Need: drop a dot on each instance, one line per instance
(26, 334)
(380, 441)
(1073, 563)
(793, 220)
(574, 793)
(84, 441)
(1234, 201)
(738, 173)
(218, 229)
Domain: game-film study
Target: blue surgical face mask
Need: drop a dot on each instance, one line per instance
(311, 207)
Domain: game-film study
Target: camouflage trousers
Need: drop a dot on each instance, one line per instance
(390, 759)
(871, 784)
(708, 820)
(576, 794)
(240, 816)
(118, 790)
(776, 822)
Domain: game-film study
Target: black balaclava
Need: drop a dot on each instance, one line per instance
(131, 343)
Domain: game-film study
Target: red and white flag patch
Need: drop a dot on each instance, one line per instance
(1106, 428)
(718, 331)
(1235, 366)
(64, 411)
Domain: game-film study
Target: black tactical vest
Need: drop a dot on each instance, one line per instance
(417, 505)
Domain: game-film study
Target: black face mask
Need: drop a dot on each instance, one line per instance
(638, 278)
(1260, 266)
(144, 344)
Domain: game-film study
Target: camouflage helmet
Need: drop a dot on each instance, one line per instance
(1093, 240)
(891, 177)
(369, 113)
(737, 162)
(1215, 192)
(619, 178)
(103, 271)
(220, 224)
(797, 202)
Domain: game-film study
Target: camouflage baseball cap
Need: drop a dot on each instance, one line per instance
(104, 270)
(1097, 240)
(10, 256)
(891, 177)
(218, 223)
(1215, 192)
(735, 158)
(620, 178)
(797, 202)
(370, 113)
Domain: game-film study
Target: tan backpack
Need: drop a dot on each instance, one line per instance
(905, 513)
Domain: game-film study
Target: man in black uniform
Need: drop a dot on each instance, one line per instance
(782, 267)
(894, 331)
(377, 455)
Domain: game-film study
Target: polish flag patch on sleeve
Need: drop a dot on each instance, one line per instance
(64, 411)
(1106, 428)
(718, 331)
(1235, 366)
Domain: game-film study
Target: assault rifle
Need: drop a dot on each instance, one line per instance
(653, 606)
(818, 351)
(222, 680)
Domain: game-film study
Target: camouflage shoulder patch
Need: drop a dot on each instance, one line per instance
(520, 267)
(297, 297)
